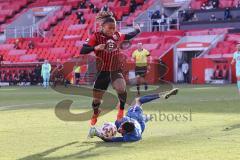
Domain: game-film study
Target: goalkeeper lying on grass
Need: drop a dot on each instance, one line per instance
(132, 125)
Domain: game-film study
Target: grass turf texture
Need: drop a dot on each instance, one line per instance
(29, 129)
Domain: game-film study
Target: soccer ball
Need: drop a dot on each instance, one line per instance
(109, 130)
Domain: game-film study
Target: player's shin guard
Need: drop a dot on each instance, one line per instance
(96, 113)
(148, 98)
(95, 106)
(122, 98)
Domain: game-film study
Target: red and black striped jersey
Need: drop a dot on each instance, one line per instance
(109, 59)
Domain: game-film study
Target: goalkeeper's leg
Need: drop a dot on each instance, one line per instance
(149, 98)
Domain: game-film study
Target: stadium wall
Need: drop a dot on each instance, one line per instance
(200, 64)
(168, 60)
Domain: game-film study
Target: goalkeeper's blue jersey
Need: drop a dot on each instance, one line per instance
(136, 135)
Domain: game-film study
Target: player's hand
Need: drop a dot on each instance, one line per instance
(100, 47)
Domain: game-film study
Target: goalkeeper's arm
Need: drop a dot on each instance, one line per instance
(100, 135)
(120, 139)
(126, 138)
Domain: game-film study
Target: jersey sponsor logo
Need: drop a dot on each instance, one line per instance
(111, 45)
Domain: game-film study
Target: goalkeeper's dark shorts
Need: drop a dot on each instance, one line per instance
(104, 78)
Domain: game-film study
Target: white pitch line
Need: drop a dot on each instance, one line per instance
(8, 89)
(19, 105)
(207, 100)
(218, 99)
(206, 88)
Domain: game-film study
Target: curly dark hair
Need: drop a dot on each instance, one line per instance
(128, 127)
(105, 17)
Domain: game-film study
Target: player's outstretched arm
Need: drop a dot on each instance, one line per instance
(114, 139)
(94, 132)
(126, 138)
(132, 34)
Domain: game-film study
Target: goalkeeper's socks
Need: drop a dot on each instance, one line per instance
(148, 98)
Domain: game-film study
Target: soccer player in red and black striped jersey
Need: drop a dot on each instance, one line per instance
(105, 43)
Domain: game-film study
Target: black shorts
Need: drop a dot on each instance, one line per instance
(104, 78)
(77, 75)
(141, 71)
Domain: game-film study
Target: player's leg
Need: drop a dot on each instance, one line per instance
(136, 111)
(44, 80)
(74, 79)
(137, 74)
(238, 84)
(97, 99)
(149, 98)
(100, 86)
(144, 72)
(138, 85)
(143, 81)
(145, 84)
(77, 78)
(119, 84)
(141, 73)
(47, 80)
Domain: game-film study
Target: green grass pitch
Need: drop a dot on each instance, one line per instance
(29, 129)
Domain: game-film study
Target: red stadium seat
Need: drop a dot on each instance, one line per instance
(17, 52)
(63, 43)
(6, 46)
(150, 46)
(225, 3)
(7, 13)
